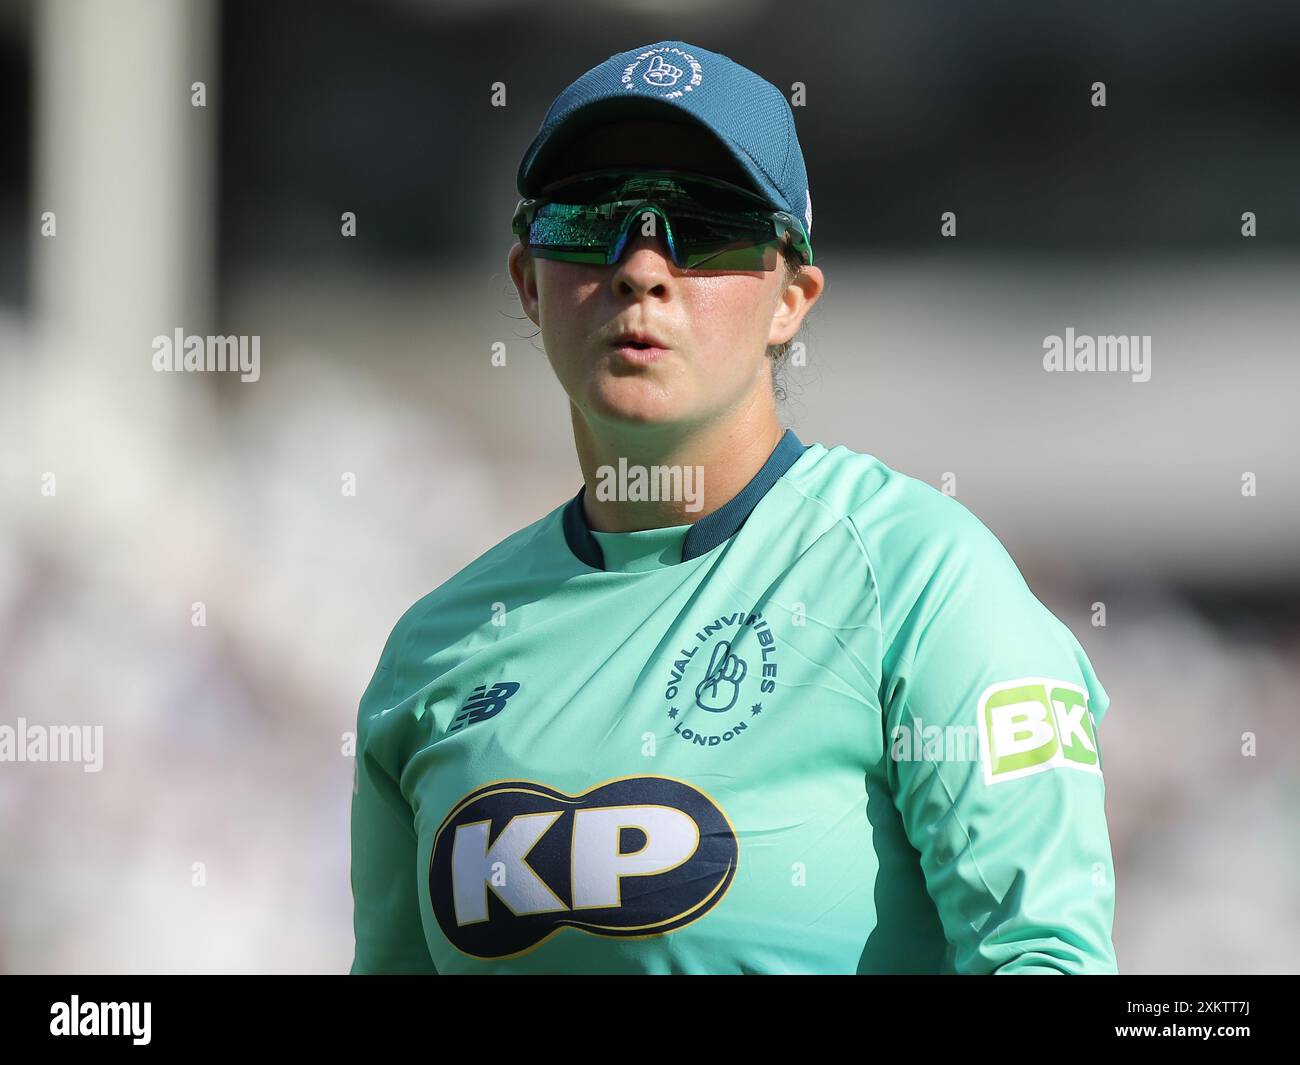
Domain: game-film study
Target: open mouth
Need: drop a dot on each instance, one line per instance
(639, 345)
(638, 351)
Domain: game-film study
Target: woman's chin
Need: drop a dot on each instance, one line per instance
(635, 401)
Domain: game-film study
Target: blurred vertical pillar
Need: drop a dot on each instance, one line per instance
(125, 162)
(126, 165)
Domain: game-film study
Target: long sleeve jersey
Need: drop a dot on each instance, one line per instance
(826, 728)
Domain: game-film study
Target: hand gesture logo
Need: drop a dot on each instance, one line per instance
(661, 73)
(718, 690)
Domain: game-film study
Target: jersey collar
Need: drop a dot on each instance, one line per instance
(712, 529)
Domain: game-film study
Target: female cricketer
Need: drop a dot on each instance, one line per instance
(742, 704)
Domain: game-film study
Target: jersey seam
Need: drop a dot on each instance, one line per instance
(840, 519)
(414, 614)
(884, 717)
(952, 809)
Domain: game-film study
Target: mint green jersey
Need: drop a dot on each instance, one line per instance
(826, 728)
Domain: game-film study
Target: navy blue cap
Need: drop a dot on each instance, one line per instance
(748, 115)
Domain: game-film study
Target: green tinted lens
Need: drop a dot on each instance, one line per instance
(575, 232)
(744, 256)
(710, 239)
(710, 225)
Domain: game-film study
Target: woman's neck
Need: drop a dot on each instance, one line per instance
(653, 477)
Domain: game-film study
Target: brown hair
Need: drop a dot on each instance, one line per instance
(792, 265)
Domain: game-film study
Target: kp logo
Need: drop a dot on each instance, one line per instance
(515, 862)
(698, 690)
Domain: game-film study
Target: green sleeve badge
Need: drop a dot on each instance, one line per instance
(1033, 724)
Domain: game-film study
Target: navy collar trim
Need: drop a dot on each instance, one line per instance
(712, 529)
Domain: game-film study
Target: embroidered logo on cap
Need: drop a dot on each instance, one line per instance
(658, 68)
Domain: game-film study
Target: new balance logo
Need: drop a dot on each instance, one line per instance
(483, 704)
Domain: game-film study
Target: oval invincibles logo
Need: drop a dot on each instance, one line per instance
(517, 861)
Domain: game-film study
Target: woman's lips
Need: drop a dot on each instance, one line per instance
(638, 354)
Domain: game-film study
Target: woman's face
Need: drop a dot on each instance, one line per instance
(713, 328)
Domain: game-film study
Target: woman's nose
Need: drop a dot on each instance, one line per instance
(645, 261)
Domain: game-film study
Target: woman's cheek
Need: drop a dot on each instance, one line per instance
(724, 307)
(734, 323)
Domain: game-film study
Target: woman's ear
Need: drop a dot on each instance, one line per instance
(523, 272)
(797, 298)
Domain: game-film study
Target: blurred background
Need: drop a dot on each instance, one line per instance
(127, 212)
